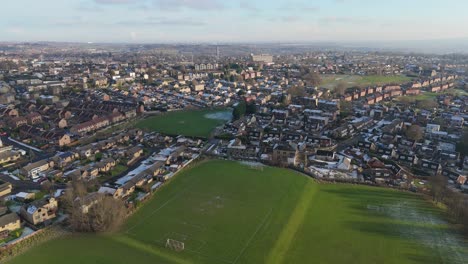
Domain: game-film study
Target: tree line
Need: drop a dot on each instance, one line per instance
(92, 213)
(455, 202)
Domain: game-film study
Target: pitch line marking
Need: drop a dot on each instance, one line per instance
(253, 235)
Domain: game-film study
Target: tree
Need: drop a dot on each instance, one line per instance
(297, 91)
(346, 108)
(251, 108)
(340, 88)
(438, 187)
(92, 212)
(98, 156)
(462, 147)
(415, 132)
(239, 110)
(312, 78)
(47, 186)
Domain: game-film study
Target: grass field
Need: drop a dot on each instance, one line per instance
(196, 123)
(431, 95)
(331, 81)
(226, 212)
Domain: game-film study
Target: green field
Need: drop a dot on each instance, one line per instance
(195, 123)
(420, 97)
(332, 80)
(226, 212)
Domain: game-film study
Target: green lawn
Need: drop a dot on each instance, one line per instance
(332, 80)
(226, 212)
(196, 123)
(423, 96)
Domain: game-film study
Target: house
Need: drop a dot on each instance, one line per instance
(63, 159)
(432, 167)
(105, 165)
(8, 156)
(457, 121)
(325, 155)
(116, 193)
(24, 196)
(283, 154)
(373, 173)
(39, 211)
(410, 158)
(366, 145)
(34, 118)
(5, 188)
(9, 222)
(157, 168)
(126, 189)
(236, 149)
(134, 152)
(18, 121)
(386, 151)
(33, 170)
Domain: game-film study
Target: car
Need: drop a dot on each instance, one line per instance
(3, 134)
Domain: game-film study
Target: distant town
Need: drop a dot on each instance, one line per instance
(93, 128)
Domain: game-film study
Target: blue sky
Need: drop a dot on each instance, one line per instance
(159, 21)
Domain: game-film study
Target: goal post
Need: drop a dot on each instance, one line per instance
(175, 245)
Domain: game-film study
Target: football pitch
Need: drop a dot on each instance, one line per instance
(228, 212)
(194, 123)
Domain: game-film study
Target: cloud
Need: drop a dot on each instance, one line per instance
(87, 8)
(169, 5)
(15, 30)
(162, 21)
(247, 5)
(295, 6)
(286, 19)
(114, 2)
(189, 4)
(343, 20)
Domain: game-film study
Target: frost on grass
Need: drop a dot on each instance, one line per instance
(427, 229)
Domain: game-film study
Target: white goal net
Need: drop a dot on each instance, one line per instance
(175, 245)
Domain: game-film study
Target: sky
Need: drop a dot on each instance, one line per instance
(224, 21)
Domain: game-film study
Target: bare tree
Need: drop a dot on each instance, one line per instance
(462, 147)
(415, 132)
(92, 212)
(312, 78)
(107, 214)
(340, 88)
(297, 91)
(438, 187)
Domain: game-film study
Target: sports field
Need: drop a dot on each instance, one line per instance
(227, 212)
(332, 80)
(195, 123)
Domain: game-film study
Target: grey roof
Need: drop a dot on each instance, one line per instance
(8, 218)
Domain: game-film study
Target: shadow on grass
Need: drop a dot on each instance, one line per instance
(404, 217)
